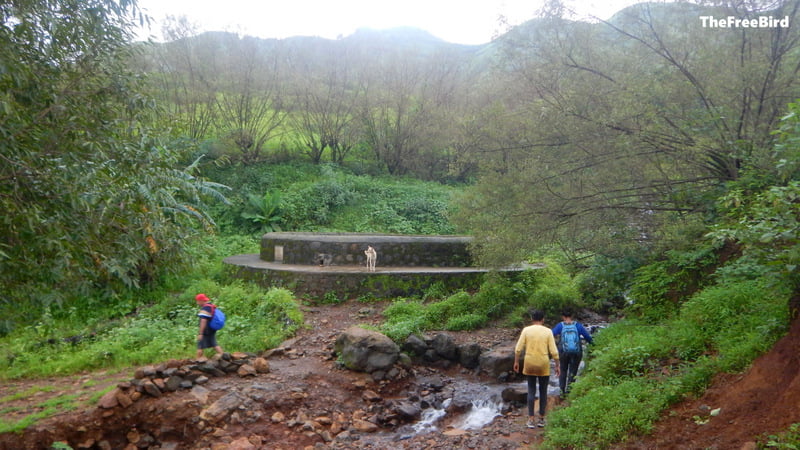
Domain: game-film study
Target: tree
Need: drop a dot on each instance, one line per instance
(632, 124)
(250, 97)
(327, 92)
(90, 198)
(185, 74)
(404, 109)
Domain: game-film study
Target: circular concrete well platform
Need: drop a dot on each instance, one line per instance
(322, 264)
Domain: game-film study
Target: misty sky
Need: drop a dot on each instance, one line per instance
(457, 21)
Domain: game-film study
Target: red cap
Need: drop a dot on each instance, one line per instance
(202, 298)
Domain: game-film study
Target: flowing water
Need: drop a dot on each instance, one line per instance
(430, 418)
(482, 413)
(486, 404)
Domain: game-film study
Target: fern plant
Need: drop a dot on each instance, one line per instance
(264, 210)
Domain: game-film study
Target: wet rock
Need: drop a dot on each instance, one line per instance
(364, 426)
(461, 402)
(515, 395)
(222, 407)
(261, 365)
(151, 389)
(434, 382)
(407, 410)
(415, 345)
(366, 350)
(445, 346)
(109, 399)
(469, 355)
(498, 361)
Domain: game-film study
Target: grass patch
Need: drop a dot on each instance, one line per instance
(26, 393)
(47, 408)
(258, 319)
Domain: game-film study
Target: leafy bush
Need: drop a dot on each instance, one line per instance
(658, 288)
(329, 198)
(604, 285)
(788, 439)
(471, 321)
(500, 296)
(403, 317)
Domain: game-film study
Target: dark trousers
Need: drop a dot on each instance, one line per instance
(569, 363)
(543, 381)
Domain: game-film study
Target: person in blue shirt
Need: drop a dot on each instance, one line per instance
(569, 330)
(206, 336)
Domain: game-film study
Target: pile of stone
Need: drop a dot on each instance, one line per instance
(173, 375)
(372, 352)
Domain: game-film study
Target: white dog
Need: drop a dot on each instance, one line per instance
(372, 258)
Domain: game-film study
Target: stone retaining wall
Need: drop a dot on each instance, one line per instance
(343, 285)
(338, 249)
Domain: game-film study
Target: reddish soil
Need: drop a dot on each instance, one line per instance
(765, 399)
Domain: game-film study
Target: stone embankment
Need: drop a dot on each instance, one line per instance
(173, 375)
(399, 384)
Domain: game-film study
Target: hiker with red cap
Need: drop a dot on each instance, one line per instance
(206, 336)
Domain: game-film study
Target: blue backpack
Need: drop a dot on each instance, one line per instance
(217, 318)
(570, 339)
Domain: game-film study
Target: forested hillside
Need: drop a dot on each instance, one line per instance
(652, 161)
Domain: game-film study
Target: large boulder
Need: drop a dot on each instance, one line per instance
(469, 355)
(445, 347)
(415, 345)
(366, 350)
(498, 361)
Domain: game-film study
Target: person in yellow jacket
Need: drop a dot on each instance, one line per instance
(539, 345)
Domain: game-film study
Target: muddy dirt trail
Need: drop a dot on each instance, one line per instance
(305, 397)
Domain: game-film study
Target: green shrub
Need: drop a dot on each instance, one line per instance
(738, 319)
(436, 291)
(607, 414)
(788, 439)
(659, 288)
(605, 283)
(465, 322)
